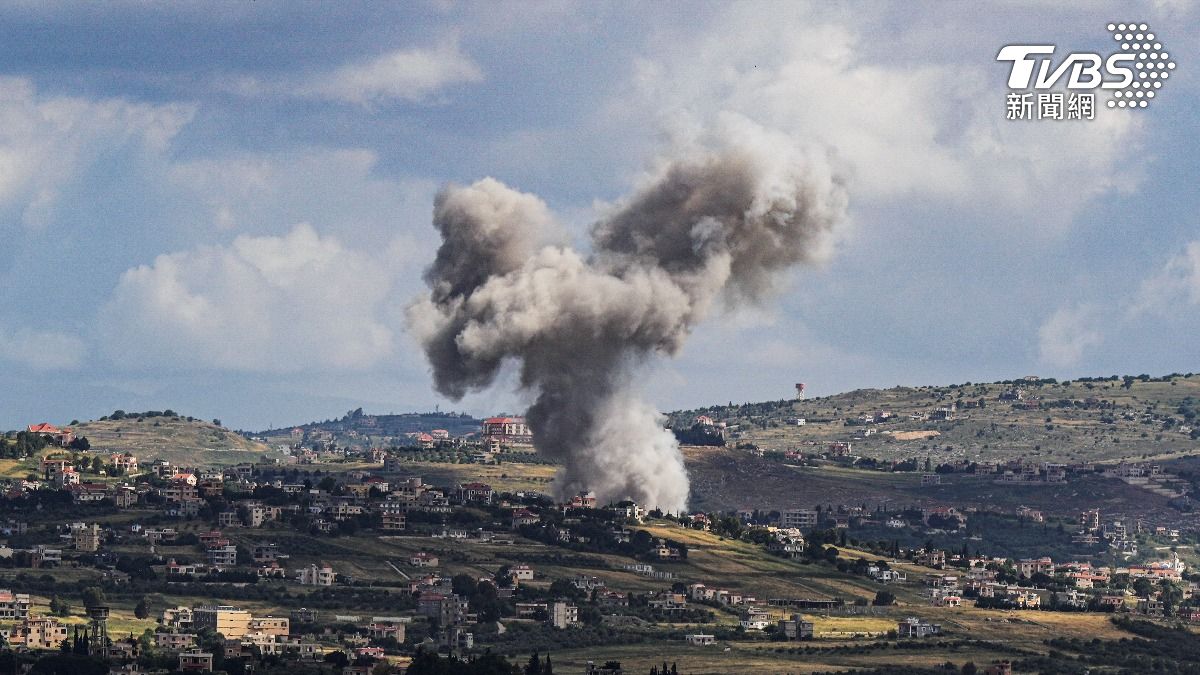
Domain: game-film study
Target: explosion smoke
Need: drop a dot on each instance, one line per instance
(719, 222)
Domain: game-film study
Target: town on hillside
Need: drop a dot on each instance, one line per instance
(335, 553)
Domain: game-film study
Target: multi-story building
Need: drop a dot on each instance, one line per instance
(196, 662)
(563, 614)
(87, 538)
(801, 519)
(13, 606)
(448, 608)
(270, 625)
(222, 556)
(231, 622)
(174, 642)
(40, 633)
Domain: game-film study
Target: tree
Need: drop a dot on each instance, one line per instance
(97, 464)
(338, 659)
(92, 597)
(884, 599)
(142, 610)
(216, 421)
(534, 667)
(60, 607)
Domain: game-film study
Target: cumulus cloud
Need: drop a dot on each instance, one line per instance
(413, 75)
(298, 302)
(1068, 334)
(924, 126)
(41, 349)
(48, 141)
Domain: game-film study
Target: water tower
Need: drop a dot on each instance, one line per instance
(98, 642)
(799, 390)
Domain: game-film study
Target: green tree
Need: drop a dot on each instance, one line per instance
(92, 597)
(142, 609)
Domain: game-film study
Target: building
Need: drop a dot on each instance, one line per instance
(62, 437)
(222, 556)
(316, 576)
(174, 642)
(231, 622)
(196, 662)
(394, 517)
(448, 608)
(800, 519)
(700, 639)
(14, 606)
(39, 633)
(270, 625)
(563, 614)
(914, 627)
(87, 538)
(796, 628)
(124, 462)
(507, 430)
(423, 559)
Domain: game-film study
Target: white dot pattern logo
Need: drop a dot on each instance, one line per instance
(1151, 64)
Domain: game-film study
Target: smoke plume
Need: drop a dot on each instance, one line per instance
(716, 224)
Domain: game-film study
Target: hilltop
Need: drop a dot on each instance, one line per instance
(178, 439)
(359, 429)
(1108, 419)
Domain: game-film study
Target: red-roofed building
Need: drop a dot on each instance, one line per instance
(62, 437)
(507, 430)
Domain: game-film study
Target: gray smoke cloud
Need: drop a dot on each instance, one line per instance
(714, 224)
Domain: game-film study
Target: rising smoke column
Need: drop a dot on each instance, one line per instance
(717, 223)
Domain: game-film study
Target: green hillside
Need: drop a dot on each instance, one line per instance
(177, 439)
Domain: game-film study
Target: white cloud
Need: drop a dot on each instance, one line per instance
(299, 302)
(46, 142)
(1178, 282)
(413, 75)
(41, 349)
(925, 126)
(1067, 334)
(406, 75)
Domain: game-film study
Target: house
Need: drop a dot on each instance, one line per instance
(474, 493)
(316, 576)
(913, 627)
(124, 462)
(229, 621)
(521, 572)
(523, 517)
(14, 606)
(62, 437)
(174, 642)
(38, 633)
(197, 662)
(700, 639)
(423, 559)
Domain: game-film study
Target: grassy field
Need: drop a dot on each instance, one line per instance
(997, 431)
(195, 443)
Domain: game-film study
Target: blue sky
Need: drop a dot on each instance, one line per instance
(223, 208)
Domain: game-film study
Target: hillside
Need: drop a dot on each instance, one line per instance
(357, 428)
(176, 439)
(1110, 420)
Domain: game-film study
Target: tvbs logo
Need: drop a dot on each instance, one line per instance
(1132, 75)
(1083, 70)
